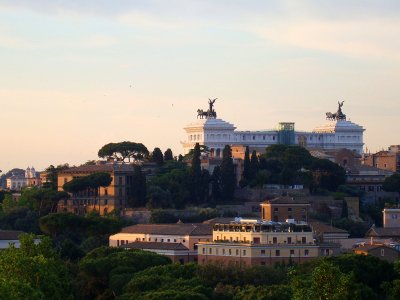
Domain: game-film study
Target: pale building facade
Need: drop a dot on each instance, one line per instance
(30, 178)
(251, 242)
(177, 241)
(336, 133)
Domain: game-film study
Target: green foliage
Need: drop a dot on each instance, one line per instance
(20, 218)
(168, 155)
(167, 282)
(137, 188)
(123, 150)
(195, 173)
(34, 271)
(52, 176)
(42, 200)
(93, 181)
(392, 183)
(216, 192)
(356, 229)
(101, 269)
(325, 282)
(228, 178)
(157, 156)
(246, 167)
(294, 165)
(254, 165)
(170, 188)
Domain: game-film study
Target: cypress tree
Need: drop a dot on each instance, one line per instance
(228, 179)
(157, 156)
(138, 188)
(254, 165)
(216, 185)
(168, 155)
(195, 172)
(246, 165)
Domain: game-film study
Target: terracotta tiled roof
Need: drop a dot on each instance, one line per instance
(218, 220)
(367, 248)
(170, 229)
(319, 227)
(9, 234)
(286, 200)
(155, 246)
(383, 232)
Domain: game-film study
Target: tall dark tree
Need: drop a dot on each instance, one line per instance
(195, 172)
(246, 166)
(168, 155)
(216, 193)
(138, 188)
(228, 178)
(180, 157)
(157, 156)
(254, 165)
(205, 185)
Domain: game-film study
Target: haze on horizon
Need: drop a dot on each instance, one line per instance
(76, 75)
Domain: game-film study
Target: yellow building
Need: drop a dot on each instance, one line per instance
(113, 197)
(251, 242)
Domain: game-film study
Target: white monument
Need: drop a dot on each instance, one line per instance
(215, 133)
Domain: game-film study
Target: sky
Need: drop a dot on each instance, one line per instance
(75, 75)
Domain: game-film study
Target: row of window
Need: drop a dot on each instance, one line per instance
(256, 240)
(237, 252)
(195, 137)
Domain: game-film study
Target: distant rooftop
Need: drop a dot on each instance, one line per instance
(169, 229)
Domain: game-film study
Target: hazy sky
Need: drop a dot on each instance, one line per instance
(75, 75)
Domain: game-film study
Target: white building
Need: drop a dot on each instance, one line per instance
(17, 182)
(336, 133)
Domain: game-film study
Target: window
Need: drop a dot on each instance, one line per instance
(162, 240)
(306, 252)
(303, 240)
(168, 240)
(289, 209)
(237, 252)
(230, 252)
(370, 188)
(210, 251)
(394, 216)
(275, 209)
(291, 252)
(223, 251)
(105, 201)
(262, 252)
(274, 240)
(382, 252)
(277, 252)
(204, 250)
(244, 252)
(289, 240)
(120, 180)
(105, 192)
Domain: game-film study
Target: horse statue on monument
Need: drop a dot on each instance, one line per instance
(339, 115)
(210, 113)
